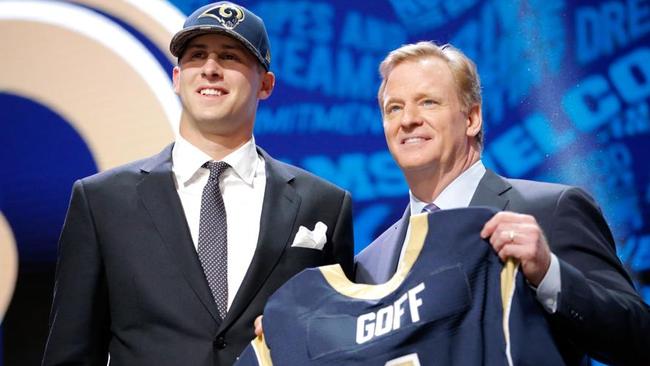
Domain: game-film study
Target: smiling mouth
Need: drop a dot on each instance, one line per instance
(413, 140)
(212, 92)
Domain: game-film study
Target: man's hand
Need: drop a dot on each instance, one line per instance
(258, 326)
(519, 236)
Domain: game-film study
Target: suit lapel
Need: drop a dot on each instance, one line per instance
(279, 211)
(393, 247)
(158, 193)
(491, 191)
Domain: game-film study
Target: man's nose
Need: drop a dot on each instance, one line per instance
(211, 68)
(410, 117)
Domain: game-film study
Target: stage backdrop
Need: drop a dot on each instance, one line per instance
(86, 86)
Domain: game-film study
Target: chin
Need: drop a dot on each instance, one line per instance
(210, 118)
(415, 164)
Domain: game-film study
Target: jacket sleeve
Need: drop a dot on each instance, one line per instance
(598, 311)
(79, 320)
(343, 237)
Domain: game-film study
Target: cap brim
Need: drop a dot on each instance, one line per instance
(181, 39)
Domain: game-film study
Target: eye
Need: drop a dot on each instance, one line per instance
(429, 102)
(194, 54)
(229, 56)
(393, 108)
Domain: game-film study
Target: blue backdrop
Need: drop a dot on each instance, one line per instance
(566, 91)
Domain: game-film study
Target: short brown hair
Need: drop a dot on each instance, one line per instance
(462, 69)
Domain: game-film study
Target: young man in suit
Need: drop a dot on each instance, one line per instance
(431, 106)
(168, 260)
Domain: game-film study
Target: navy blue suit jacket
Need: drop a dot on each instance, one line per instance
(599, 312)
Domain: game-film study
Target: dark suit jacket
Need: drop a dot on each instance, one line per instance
(599, 312)
(129, 280)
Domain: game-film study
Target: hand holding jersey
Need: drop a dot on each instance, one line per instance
(519, 236)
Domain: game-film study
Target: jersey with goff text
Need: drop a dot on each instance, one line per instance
(450, 302)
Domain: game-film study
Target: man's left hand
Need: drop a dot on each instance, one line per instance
(259, 331)
(519, 236)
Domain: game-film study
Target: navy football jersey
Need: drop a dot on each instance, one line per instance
(450, 302)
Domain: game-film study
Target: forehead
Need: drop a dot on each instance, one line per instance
(423, 73)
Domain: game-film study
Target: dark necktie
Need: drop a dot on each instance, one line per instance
(213, 237)
(431, 207)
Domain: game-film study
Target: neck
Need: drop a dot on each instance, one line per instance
(427, 184)
(216, 145)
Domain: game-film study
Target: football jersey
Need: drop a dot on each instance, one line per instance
(450, 302)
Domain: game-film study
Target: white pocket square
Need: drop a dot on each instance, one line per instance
(312, 239)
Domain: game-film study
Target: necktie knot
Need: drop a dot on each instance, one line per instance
(431, 207)
(216, 168)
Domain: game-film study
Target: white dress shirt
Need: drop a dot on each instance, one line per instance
(242, 187)
(458, 194)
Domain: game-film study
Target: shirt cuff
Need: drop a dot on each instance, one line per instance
(549, 289)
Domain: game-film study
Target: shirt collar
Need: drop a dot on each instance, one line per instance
(244, 161)
(457, 194)
(188, 159)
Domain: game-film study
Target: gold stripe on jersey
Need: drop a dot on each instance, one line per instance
(262, 351)
(336, 278)
(508, 287)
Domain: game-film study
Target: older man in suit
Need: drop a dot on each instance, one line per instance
(168, 260)
(431, 106)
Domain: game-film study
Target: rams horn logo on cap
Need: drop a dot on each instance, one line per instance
(229, 15)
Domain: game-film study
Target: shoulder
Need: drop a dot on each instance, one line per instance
(536, 191)
(534, 187)
(523, 191)
(308, 177)
(516, 191)
(300, 178)
(126, 174)
(553, 204)
(112, 174)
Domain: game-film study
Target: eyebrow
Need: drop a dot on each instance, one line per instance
(390, 101)
(418, 95)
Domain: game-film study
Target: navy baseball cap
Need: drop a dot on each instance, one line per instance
(230, 19)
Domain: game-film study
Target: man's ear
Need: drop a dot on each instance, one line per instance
(474, 120)
(266, 87)
(176, 74)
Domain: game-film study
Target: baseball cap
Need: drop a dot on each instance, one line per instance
(229, 19)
